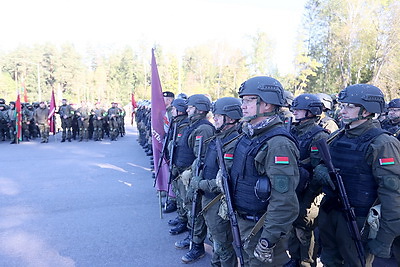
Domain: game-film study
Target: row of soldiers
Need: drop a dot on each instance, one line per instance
(82, 123)
(272, 195)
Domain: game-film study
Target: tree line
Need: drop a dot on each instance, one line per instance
(340, 42)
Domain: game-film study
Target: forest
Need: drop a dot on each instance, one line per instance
(340, 42)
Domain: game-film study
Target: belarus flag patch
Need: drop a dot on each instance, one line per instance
(228, 156)
(314, 149)
(179, 135)
(281, 160)
(199, 137)
(386, 161)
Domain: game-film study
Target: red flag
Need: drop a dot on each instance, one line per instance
(51, 117)
(25, 93)
(134, 105)
(18, 120)
(157, 126)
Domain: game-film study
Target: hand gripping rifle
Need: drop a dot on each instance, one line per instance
(171, 159)
(196, 192)
(347, 209)
(237, 244)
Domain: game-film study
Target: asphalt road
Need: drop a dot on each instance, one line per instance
(86, 204)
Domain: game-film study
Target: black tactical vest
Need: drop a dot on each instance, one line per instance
(244, 174)
(184, 154)
(348, 155)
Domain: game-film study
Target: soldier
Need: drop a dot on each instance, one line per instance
(392, 122)
(306, 109)
(227, 113)
(121, 120)
(3, 122)
(368, 159)
(66, 113)
(113, 114)
(98, 116)
(12, 118)
(83, 114)
(326, 121)
(180, 117)
(27, 117)
(264, 175)
(186, 150)
(41, 116)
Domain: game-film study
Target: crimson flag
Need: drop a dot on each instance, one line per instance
(51, 117)
(157, 127)
(134, 105)
(18, 118)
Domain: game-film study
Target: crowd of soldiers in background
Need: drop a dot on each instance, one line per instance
(328, 118)
(82, 123)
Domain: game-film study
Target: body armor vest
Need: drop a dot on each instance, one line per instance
(244, 174)
(348, 154)
(185, 156)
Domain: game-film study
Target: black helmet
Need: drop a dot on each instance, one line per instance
(2, 101)
(12, 103)
(326, 100)
(228, 106)
(182, 96)
(395, 103)
(180, 104)
(366, 95)
(308, 102)
(268, 89)
(199, 101)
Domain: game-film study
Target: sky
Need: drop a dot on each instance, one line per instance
(173, 24)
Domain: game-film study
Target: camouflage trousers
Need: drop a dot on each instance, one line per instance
(44, 131)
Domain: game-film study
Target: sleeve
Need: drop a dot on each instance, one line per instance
(279, 162)
(385, 160)
(205, 131)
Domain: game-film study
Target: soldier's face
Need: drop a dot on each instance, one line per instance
(218, 120)
(299, 113)
(191, 110)
(249, 106)
(348, 111)
(174, 112)
(393, 113)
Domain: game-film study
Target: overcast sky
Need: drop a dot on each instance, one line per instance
(174, 24)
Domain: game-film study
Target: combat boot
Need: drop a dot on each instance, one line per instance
(63, 140)
(171, 207)
(174, 222)
(196, 253)
(179, 229)
(183, 244)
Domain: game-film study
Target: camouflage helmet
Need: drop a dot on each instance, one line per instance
(180, 104)
(199, 101)
(326, 100)
(268, 89)
(366, 95)
(308, 102)
(395, 103)
(228, 106)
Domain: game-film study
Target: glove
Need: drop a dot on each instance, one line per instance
(373, 221)
(321, 175)
(189, 195)
(262, 252)
(194, 183)
(379, 248)
(186, 175)
(218, 181)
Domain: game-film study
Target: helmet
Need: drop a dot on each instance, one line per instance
(326, 100)
(199, 101)
(12, 103)
(288, 96)
(366, 95)
(308, 102)
(228, 106)
(2, 101)
(180, 104)
(182, 95)
(395, 103)
(268, 89)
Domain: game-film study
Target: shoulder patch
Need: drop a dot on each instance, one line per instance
(281, 160)
(281, 184)
(228, 156)
(386, 161)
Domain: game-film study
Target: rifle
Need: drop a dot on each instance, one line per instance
(289, 123)
(237, 243)
(347, 209)
(196, 192)
(162, 156)
(171, 159)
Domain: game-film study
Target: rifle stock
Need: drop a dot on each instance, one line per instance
(347, 209)
(237, 242)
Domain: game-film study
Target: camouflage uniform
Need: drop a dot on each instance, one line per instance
(41, 116)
